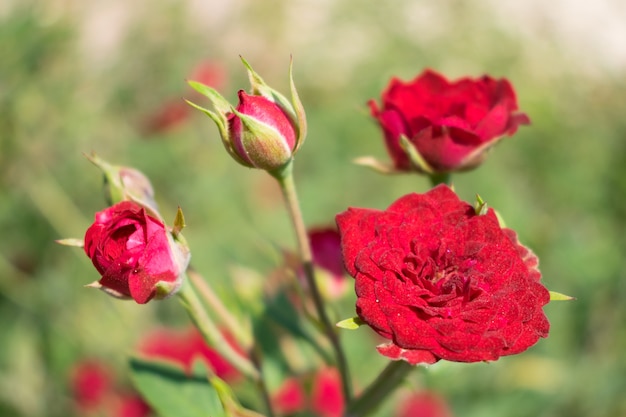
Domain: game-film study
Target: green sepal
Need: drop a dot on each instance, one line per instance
(352, 323)
(179, 223)
(78, 243)
(260, 88)
(222, 126)
(219, 102)
(376, 165)
(264, 145)
(557, 296)
(299, 109)
(416, 158)
(480, 208)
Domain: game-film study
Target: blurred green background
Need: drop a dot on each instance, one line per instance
(77, 77)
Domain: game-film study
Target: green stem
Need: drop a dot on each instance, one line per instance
(212, 334)
(206, 292)
(288, 188)
(440, 178)
(379, 390)
(261, 385)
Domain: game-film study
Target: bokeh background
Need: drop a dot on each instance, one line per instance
(109, 76)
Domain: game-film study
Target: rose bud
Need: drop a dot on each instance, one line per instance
(135, 253)
(432, 125)
(265, 130)
(440, 281)
(125, 184)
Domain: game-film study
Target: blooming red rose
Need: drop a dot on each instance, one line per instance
(442, 282)
(135, 253)
(450, 125)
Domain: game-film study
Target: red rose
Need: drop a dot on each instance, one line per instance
(135, 253)
(441, 282)
(449, 124)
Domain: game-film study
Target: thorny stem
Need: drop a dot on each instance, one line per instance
(383, 385)
(211, 333)
(288, 188)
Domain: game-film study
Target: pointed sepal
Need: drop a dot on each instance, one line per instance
(78, 243)
(299, 109)
(376, 165)
(480, 207)
(557, 296)
(352, 323)
(108, 291)
(179, 223)
(416, 158)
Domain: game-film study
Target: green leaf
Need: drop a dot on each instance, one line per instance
(352, 323)
(173, 393)
(557, 296)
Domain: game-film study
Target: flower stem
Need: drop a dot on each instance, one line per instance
(383, 385)
(206, 292)
(288, 188)
(444, 178)
(212, 334)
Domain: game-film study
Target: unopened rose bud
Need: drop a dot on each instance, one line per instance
(137, 256)
(265, 130)
(123, 183)
(261, 133)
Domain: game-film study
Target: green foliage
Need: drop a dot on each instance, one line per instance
(172, 393)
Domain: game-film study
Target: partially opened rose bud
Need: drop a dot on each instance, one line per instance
(123, 183)
(265, 130)
(137, 256)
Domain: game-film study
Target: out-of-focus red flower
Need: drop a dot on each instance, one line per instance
(326, 395)
(209, 73)
(95, 393)
(326, 248)
(183, 347)
(450, 124)
(423, 404)
(131, 405)
(171, 114)
(175, 112)
(440, 281)
(290, 397)
(325, 399)
(135, 253)
(90, 383)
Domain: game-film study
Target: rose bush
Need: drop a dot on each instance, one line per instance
(450, 125)
(135, 253)
(442, 282)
